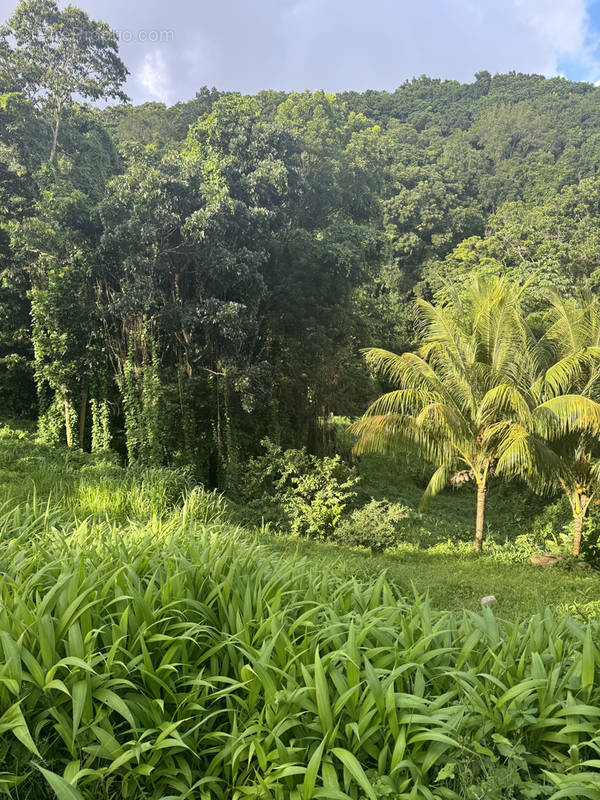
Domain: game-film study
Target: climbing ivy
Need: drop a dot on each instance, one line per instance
(101, 434)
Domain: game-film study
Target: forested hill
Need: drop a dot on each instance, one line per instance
(179, 283)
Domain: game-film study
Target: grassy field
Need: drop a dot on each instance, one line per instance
(456, 582)
(451, 576)
(151, 649)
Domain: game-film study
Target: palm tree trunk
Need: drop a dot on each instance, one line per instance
(481, 493)
(579, 503)
(577, 528)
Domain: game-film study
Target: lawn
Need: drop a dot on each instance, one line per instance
(459, 582)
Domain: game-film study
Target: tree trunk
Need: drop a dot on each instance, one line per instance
(579, 504)
(481, 493)
(577, 528)
(68, 429)
(54, 137)
(82, 414)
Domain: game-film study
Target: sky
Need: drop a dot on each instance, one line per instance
(173, 47)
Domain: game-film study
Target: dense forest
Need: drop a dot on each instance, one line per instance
(179, 283)
(244, 341)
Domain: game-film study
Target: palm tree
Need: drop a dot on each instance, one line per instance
(464, 400)
(573, 337)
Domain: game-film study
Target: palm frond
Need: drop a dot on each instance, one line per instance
(566, 413)
(523, 455)
(500, 401)
(407, 369)
(568, 372)
(391, 433)
(437, 483)
(400, 401)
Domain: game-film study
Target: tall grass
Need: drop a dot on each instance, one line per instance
(96, 485)
(168, 659)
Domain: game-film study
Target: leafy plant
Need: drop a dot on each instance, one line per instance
(305, 493)
(204, 506)
(377, 525)
(114, 637)
(477, 399)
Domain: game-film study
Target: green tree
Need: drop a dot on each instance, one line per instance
(23, 142)
(574, 331)
(54, 246)
(58, 54)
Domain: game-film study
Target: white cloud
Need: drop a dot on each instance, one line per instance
(564, 28)
(346, 44)
(562, 24)
(153, 75)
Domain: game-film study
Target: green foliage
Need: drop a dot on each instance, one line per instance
(378, 525)
(483, 396)
(205, 507)
(260, 242)
(89, 484)
(310, 683)
(305, 493)
(101, 435)
(518, 551)
(51, 422)
(54, 54)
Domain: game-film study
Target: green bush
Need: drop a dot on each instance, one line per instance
(304, 494)
(377, 525)
(518, 551)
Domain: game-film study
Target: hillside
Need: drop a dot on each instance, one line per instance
(227, 257)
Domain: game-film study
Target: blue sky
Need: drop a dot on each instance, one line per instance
(173, 47)
(579, 68)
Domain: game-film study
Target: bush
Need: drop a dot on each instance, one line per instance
(301, 492)
(378, 525)
(517, 552)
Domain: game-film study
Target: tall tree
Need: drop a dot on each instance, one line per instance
(52, 55)
(573, 335)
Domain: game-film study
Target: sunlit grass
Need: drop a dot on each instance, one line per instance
(151, 649)
(170, 659)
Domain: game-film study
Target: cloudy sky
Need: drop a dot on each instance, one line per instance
(172, 47)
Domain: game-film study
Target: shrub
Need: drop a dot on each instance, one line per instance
(377, 525)
(517, 552)
(301, 492)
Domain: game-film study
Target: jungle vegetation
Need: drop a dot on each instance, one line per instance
(187, 286)
(245, 341)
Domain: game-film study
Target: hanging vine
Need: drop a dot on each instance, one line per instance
(151, 406)
(142, 398)
(130, 398)
(101, 434)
